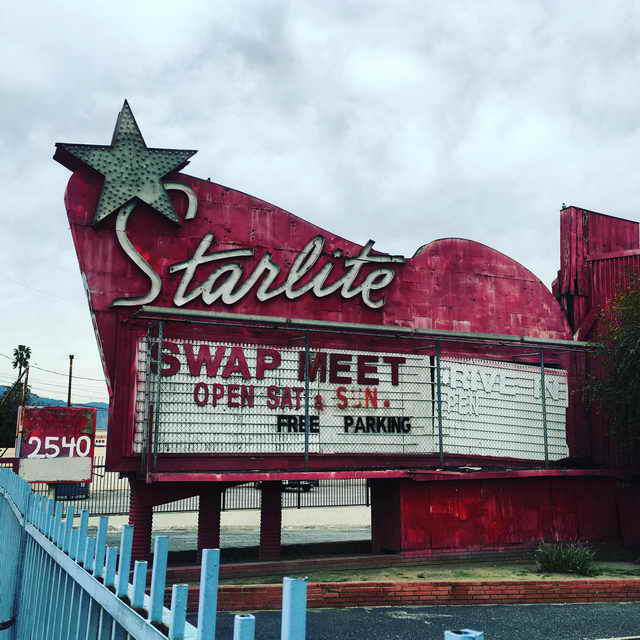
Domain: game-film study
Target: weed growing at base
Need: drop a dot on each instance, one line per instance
(566, 557)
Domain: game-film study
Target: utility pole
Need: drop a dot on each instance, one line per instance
(24, 385)
(70, 377)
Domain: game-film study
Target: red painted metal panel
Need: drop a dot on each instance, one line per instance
(509, 511)
(564, 510)
(416, 530)
(629, 508)
(608, 233)
(584, 234)
(526, 517)
(597, 496)
(612, 275)
(456, 515)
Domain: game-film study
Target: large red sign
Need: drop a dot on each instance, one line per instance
(155, 243)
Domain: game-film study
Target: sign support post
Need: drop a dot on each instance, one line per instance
(156, 422)
(543, 399)
(439, 403)
(306, 397)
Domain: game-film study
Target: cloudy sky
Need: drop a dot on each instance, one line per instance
(398, 121)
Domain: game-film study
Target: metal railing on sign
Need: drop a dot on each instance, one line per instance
(58, 582)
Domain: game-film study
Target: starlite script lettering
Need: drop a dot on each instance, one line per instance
(230, 281)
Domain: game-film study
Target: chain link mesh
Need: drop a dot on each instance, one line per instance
(494, 409)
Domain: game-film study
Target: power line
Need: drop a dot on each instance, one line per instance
(41, 291)
(58, 373)
(12, 372)
(51, 382)
(48, 388)
(9, 375)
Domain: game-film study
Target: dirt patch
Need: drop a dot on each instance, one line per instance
(452, 572)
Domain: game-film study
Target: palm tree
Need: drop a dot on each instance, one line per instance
(21, 357)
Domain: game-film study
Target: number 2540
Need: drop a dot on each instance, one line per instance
(54, 445)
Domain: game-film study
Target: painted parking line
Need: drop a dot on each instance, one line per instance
(621, 638)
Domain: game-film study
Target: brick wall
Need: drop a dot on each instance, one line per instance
(380, 594)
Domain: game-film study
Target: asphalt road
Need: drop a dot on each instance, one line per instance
(499, 622)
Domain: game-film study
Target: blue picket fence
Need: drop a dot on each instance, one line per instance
(58, 583)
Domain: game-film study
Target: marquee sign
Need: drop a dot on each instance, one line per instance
(155, 243)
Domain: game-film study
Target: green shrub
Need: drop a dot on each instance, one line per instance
(566, 557)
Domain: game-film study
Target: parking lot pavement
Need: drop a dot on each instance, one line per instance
(499, 622)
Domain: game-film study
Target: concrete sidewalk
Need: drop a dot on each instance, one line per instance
(242, 528)
(291, 518)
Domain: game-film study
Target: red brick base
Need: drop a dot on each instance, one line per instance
(380, 594)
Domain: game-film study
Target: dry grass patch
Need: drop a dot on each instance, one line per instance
(452, 572)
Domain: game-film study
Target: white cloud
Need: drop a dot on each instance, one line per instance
(400, 121)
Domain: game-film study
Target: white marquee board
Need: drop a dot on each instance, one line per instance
(219, 397)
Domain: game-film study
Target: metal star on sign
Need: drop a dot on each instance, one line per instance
(130, 168)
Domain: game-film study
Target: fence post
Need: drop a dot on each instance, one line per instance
(101, 546)
(439, 403)
(158, 578)
(110, 565)
(126, 542)
(139, 583)
(294, 609)
(179, 595)
(244, 627)
(543, 400)
(208, 598)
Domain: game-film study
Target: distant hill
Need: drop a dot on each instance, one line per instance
(39, 401)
